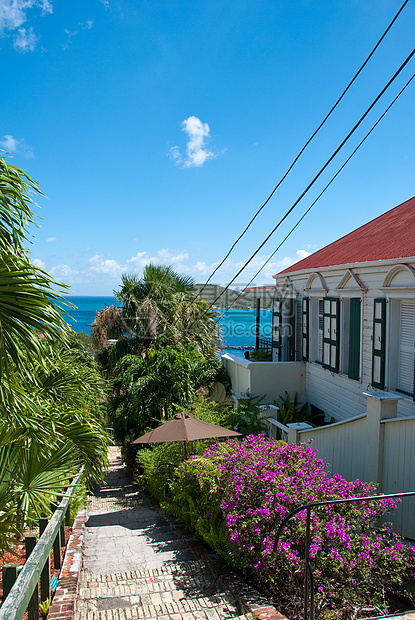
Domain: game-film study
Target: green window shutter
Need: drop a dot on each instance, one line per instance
(291, 329)
(331, 333)
(354, 338)
(379, 343)
(305, 340)
(277, 324)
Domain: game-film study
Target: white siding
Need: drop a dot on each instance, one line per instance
(399, 471)
(341, 446)
(337, 395)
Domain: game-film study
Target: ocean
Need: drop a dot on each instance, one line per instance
(237, 326)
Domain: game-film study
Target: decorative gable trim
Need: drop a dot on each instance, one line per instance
(323, 288)
(347, 276)
(286, 288)
(394, 272)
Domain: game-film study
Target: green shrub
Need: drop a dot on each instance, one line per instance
(154, 465)
(260, 355)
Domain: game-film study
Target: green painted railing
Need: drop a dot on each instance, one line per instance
(24, 594)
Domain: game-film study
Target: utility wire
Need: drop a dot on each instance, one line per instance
(320, 195)
(304, 147)
(316, 177)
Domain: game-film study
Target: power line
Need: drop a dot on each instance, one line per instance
(316, 177)
(304, 147)
(320, 195)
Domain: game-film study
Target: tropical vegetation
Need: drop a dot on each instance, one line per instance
(155, 466)
(161, 308)
(159, 348)
(235, 495)
(49, 386)
(148, 390)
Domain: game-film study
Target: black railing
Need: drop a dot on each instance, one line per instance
(308, 572)
(264, 344)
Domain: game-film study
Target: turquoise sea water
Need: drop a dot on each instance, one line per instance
(237, 326)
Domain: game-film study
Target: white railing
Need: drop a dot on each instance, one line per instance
(273, 425)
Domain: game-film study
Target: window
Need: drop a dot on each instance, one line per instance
(351, 321)
(331, 333)
(405, 380)
(400, 352)
(305, 328)
(379, 343)
(283, 338)
(320, 332)
(276, 330)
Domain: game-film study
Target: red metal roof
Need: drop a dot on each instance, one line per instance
(259, 288)
(389, 236)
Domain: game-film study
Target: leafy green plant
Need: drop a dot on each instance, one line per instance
(44, 607)
(247, 419)
(292, 411)
(50, 388)
(145, 391)
(260, 355)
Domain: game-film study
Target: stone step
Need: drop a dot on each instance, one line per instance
(124, 607)
(137, 613)
(182, 591)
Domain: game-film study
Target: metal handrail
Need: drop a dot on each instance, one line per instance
(308, 573)
(17, 601)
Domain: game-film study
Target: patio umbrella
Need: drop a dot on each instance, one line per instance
(185, 427)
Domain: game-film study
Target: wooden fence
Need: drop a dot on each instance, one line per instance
(21, 584)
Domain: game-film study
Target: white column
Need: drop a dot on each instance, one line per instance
(380, 406)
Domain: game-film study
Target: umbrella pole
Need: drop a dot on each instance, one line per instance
(185, 451)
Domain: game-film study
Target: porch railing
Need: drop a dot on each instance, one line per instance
(277, 430)
(24, 593)
(308, 572)
(264, 344)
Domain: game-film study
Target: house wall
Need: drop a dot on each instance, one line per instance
(337, 395)
(398, 470)
(341, 446)
(265, 379)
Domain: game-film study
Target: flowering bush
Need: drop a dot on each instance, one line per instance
(235, 497)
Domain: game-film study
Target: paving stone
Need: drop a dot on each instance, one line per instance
(135, 567)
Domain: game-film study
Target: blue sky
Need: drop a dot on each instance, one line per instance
(156, 129)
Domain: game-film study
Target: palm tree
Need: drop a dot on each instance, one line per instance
(162, 305)
(146, 389)
(49, 425)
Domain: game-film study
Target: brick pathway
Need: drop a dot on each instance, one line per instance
(136, 566)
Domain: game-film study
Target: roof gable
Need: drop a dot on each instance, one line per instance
(389, 236)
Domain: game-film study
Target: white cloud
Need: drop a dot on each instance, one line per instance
(70, 34)
(51, 239)
(13, 145)
(88, 24)
(196, 151)
(165, 256)
(62, 271)
(25, 40)
(106, 3)
(104, 266)
(13, 14)
(38, 263)
(302, 254)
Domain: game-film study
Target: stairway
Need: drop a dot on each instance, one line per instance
(136, 566)
(182, 591)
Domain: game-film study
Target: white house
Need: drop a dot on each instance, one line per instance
(348, 313)
(343, 338)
